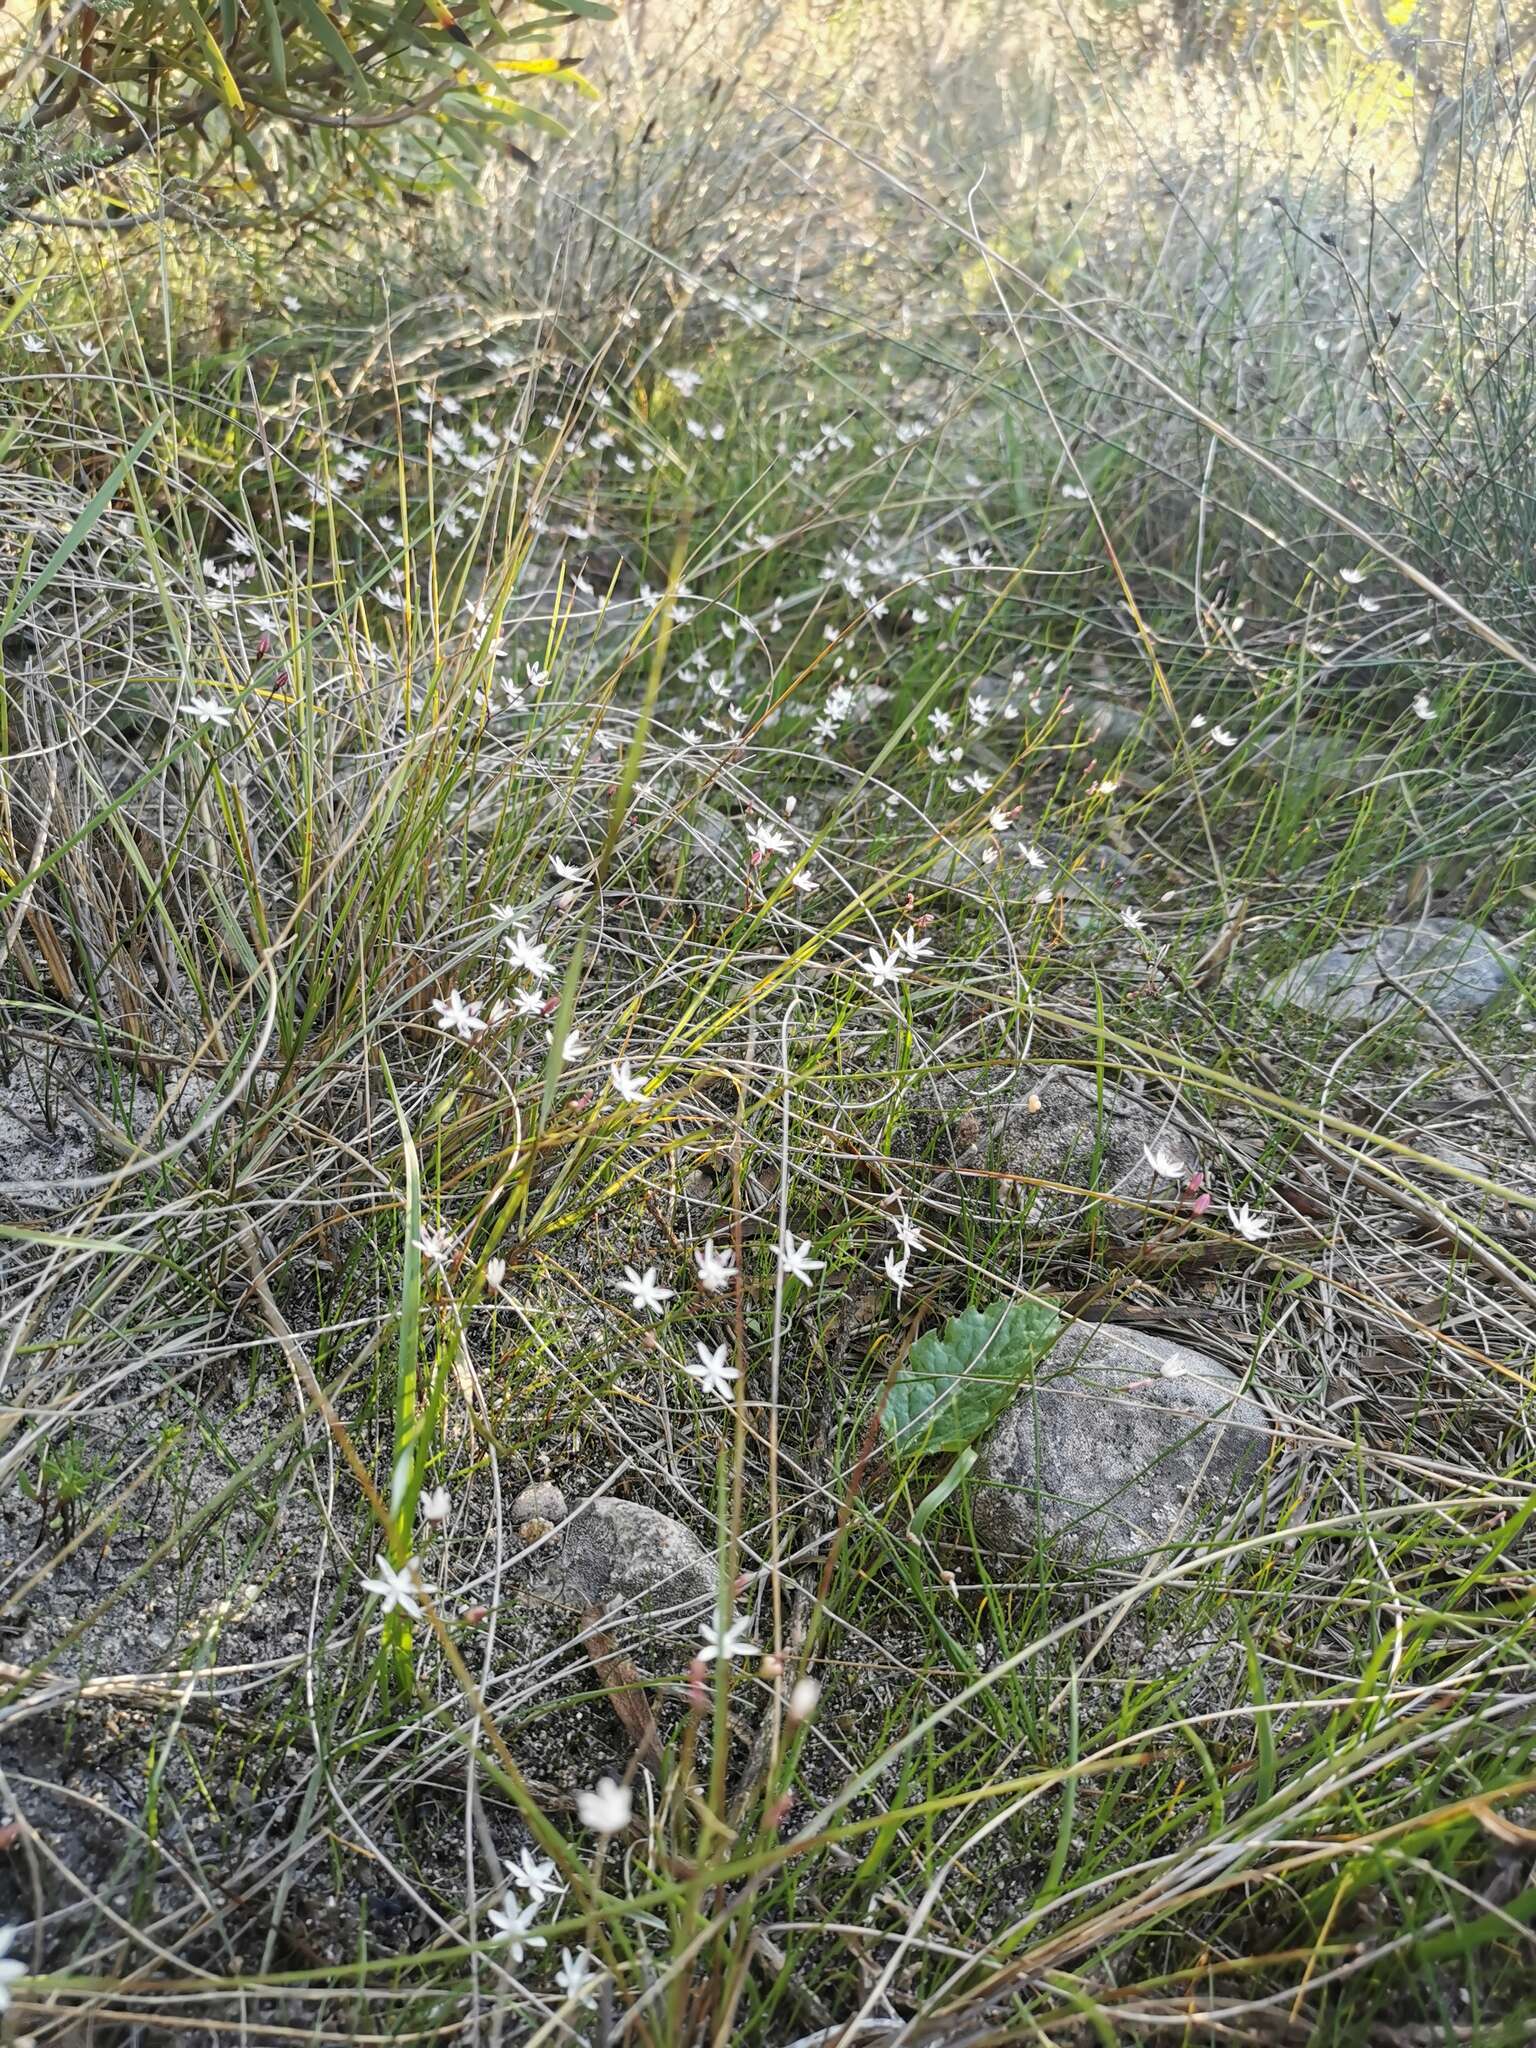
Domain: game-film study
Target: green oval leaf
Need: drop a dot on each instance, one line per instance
(954, 1382)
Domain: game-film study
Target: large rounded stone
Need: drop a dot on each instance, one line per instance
(617, 1556)
(1453, 969)
(1123, 1444)
(1078, 1141)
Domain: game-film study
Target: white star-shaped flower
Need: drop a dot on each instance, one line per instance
(717, 1269)
(607, 1808)
(208, 710)
(910, 945)
(399, 1589)
(1248, 1223)
(885, 968)
(766, 840)
(577, 1975)
(515, 1929)
(1165, 1163)
(796, 1259)
(436, 1246)
(645, 1290)
(536, 1875)
(712, 1373)
(526, 955)
(735, 1640)
(626, 1085)
(457, 1015)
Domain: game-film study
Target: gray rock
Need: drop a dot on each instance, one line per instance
(1452, 967)
(716, 844)
(1125, 1443)
(1000, 696)
(1330, 760)
(617, 1556)
(1054, 1157)
(1102, 720)
(1089, 716)
(1098, 878)
(978, 861)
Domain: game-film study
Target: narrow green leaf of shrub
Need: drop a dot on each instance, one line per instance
(277, 49)
(330, 38)
(79, 532)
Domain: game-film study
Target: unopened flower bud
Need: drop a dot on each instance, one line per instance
(698, 1684)
(804, 1697)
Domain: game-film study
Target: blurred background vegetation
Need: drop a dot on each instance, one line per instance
(1315, 222)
